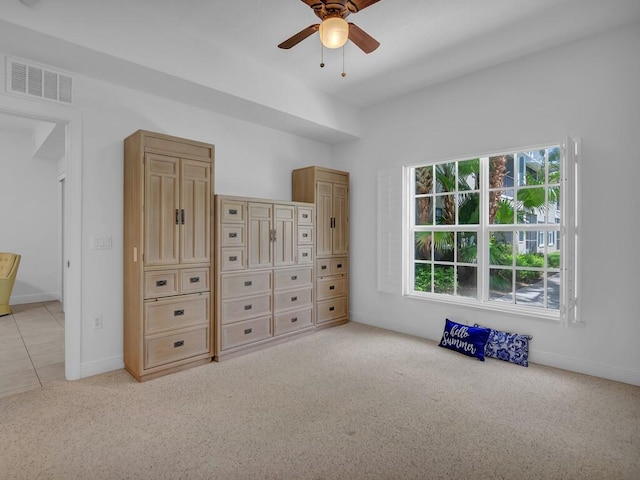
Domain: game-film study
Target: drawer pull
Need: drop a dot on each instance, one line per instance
(294, 299)
(294, 319)
(305, 254)
(233, 212)
(178, 313)
(248, 283)
(305, 215)
(332, 287)
(331, 309)
(247, 331)
(305, 235)
(323, 267)
(339, 265)
(161, 283)
(233, 258)
(178, 344)
(233, 235)
(294, 277)
(194, 279)
(248, 307)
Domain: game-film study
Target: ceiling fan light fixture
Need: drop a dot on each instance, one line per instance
(334, 32)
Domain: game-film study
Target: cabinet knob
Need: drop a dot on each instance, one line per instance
(247, 331)
(178, 344)
(331, 309)
(339, 265)
(161, 283)
(233, 212)
(323, 267)
(178, 313)
(305, 215)
(294, 277)
(294, 299)
(305, 235)
(248, 307)
(248, 283)
(332, 287)
(233, 235)
(233, 258)
(305, 254)
(194, 279)
(294, 319)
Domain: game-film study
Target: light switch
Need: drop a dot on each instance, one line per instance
(101, 242)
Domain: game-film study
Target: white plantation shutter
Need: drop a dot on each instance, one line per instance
(389, 230)
(570, 232)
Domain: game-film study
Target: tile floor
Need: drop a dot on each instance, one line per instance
(31, 347)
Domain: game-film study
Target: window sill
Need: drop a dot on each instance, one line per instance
(552, 316)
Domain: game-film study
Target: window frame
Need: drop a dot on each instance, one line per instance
(567, 207)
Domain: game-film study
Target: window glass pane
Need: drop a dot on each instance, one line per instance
(501, 207)
(468, 281)
(443, 246)
(424, 211)
(530, 259)
(553, 159)
(529, 288)
(501, 285)
(443, 279)
(468, 209)
(446, 210)
(467, 247)
(423, 245)
(422, 282)
(424, 180)
(445, 177)
(501, 248)
(553, 290)
(553, 257)
(469, 174)
(531, 168)
(531, 205)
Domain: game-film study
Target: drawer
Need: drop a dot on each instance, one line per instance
(292, 299)
(246, 284)
(232, 258)
(232, 211)
(244, 308)
(160, 284)
(305, 255)
(292, 321)
(194, 280)
(180, 312)
(292, 278)
(305, 215)
(232, 235)
(161, 350)
(327, 310)
(331, 266)
(305, 235)
(331, 287)
(249, 331)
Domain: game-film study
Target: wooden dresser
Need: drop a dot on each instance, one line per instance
(168, 189)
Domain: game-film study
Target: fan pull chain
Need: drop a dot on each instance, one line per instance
(343, 72)
(321, 55)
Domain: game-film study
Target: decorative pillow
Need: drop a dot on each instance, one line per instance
(464, 339)
(510, 347)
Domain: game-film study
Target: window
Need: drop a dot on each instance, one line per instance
(480, 232)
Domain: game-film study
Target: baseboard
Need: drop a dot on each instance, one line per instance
(542, 358)
(89, 369)
(33, 298)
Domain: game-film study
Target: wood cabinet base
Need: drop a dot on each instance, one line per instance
(161, 372)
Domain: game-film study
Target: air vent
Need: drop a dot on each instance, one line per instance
(32, 80)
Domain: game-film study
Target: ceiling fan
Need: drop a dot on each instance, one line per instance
(334, 29)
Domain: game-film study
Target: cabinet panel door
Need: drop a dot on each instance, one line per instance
(162, 210)
(323, 218)
(340, 232)
(260, 220)
(284, 246)
(195, 207)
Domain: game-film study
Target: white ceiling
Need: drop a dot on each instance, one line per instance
(226, 51)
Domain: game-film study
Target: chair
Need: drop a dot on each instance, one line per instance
(8, 270)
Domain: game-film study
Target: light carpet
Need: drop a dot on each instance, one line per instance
(350, 402)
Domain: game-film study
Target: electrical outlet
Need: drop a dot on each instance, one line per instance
(97, 321)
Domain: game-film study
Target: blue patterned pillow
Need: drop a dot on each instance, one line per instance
(510, 347)
(464, 339)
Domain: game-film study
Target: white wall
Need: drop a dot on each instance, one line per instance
(30, 225)
(250, 160)
(588, 89)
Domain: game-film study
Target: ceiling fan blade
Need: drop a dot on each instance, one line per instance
(362, 39)
(298, 37)
(315, 4)
(357, 5)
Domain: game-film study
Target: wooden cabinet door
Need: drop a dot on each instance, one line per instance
(340, 230)
(195, 207)
(260, 220)
(324, 213)
(161, 210)
(284, 245)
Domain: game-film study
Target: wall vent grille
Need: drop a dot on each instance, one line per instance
(30, 79)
